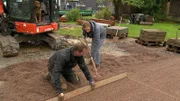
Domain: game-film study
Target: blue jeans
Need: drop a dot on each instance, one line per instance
(95, 50)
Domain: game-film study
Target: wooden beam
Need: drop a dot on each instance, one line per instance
(85, 89)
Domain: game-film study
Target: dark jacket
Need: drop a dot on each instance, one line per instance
(64, 60)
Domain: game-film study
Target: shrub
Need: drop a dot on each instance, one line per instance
(160, 16)
(73, 14)
(103, 13)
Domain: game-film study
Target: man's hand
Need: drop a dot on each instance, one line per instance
(92, 83)
(61, 97)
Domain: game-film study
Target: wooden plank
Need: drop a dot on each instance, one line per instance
(88, 88)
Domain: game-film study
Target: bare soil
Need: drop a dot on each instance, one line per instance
(24, 81)
(151, 81)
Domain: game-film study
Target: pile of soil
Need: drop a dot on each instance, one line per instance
(25, 82)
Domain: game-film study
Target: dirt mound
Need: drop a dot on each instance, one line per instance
(25, 82)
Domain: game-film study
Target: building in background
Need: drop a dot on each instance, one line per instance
(83, 4)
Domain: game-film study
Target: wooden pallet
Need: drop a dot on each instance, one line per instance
(146, 23)
(120, 36)
(152, 35)
(150, 43)
(122, 32)
(173, 45)
(63, 19)
(172, 48)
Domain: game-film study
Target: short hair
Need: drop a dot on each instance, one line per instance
(79, 46)
(86, 24)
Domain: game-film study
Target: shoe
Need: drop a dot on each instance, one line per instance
(97, 66)
(48, 77)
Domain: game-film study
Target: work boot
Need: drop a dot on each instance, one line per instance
(48, 77)
(97, 66)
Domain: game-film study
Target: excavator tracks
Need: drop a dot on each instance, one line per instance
(9, 46)
(55, 41)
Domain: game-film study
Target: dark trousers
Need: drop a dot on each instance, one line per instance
(69, 75)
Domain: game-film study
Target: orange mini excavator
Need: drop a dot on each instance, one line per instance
(28, 20)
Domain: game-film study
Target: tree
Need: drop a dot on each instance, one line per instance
(136, 3)
(117, 6)
(100, 1)
(155, 8)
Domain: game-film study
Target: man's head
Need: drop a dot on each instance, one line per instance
(80, 49)
(86, 26)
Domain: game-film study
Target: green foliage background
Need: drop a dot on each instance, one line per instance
(103, 13)
(73, 14)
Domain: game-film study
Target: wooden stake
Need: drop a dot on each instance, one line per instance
(88, 88)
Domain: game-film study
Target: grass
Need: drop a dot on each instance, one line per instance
(134, 29)
(73, 31)
(88, 17)
(169, 27)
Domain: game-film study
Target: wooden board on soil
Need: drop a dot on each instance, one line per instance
(88, 88)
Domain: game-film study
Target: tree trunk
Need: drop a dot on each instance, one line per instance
(117, 8)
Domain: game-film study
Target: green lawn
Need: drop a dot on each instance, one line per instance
(134, 29)
(73, 31)
(169, 27)
(88, 17)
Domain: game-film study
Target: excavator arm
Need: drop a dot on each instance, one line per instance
(1, 7)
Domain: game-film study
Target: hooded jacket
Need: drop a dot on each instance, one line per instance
(97, 31)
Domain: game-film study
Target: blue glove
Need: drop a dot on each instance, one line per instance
(91, 82)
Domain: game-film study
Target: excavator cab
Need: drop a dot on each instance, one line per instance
(29, 20)
(24, 10)
(24, 14)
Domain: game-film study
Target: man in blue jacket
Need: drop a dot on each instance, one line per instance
(98, 34)
(61, 64)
